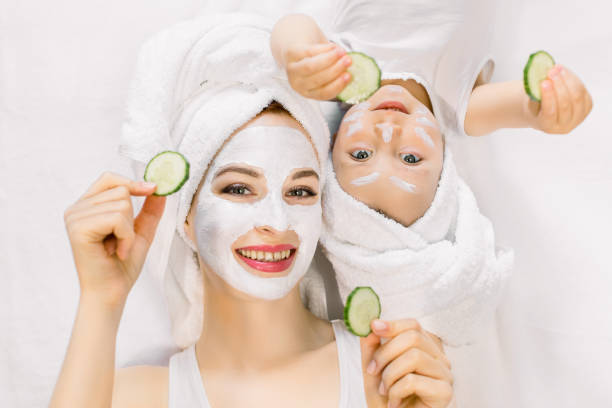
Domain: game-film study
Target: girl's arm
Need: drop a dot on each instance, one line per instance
(565, 104)
(109, 247)
(316, 68)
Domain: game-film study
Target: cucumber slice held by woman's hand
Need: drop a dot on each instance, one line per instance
(536, 71)
(365, 79)
(362, 306)
(169, 170)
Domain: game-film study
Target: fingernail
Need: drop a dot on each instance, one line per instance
(381, 388)
(346, 77)
(147, 185)
(554, 73)
(379, 325)
(371, 367)
(347, 61)
(340, 51)
(546, 85)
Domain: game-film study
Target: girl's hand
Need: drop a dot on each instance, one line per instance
(565, 103)
(411, 367)
(109, 246)
(317, 71)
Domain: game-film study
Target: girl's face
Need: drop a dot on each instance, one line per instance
(257, 216)
(388, 154)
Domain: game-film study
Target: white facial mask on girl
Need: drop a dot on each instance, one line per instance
(276, 151)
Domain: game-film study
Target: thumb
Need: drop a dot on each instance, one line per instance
(368, 345)
(145, 225)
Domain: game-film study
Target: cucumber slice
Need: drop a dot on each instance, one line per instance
(362, 306)
(536, 70)
(169, 170)
(365, 79)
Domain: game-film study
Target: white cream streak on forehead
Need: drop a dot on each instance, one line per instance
(426, 122)
(370, 178)
(386, 131)
(354, 116)
(403, 184)
(354, 127)
(424, 135)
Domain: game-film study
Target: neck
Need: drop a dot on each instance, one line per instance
(241, 332)
(417, 90)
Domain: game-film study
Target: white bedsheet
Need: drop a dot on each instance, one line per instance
(64, 68)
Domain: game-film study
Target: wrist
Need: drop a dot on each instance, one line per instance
(100, 304)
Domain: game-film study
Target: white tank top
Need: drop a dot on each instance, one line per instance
(185, 388)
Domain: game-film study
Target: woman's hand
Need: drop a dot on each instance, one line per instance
(109, 246)
(317, 71)
(565, 103)
(410, 368)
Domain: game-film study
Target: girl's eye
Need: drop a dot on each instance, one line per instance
(361, 154)
(301, 192)
(237, 189)
(410, 158)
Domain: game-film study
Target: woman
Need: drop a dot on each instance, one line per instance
(254, 189)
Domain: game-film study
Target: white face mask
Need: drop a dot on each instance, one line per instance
(218, 223)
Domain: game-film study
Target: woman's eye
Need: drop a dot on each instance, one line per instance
(361, 154)
(410, 158)
(301, 192)
(237, 189)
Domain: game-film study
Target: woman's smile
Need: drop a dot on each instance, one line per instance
(268, 258)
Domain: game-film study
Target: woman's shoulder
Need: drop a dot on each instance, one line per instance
(141, 386)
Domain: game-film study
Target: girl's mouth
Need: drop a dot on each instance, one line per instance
(392, 105)
(268, 258)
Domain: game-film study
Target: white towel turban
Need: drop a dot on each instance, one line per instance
(195, 83)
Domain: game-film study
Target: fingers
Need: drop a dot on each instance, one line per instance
(321, 78)
(434, 393)
(579, 96)
(562, 97)
(392, 328)
(414, 361)
(97, 227)
(403, 343)
(299, 52)
(315, 64)
(331, 90)
(110, 180)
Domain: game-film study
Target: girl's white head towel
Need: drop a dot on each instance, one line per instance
(195, 83)
(443, 270)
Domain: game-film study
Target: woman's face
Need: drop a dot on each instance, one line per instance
(388, 154)
(256, 218)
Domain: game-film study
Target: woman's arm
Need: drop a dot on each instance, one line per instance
(316, 68)
(109, 248)
(565, 104)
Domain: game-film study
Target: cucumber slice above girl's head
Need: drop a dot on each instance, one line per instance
(365, 79)
(362, 306)
(535, 72)
(169, 170)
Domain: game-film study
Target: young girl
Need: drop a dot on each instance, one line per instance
(397, 216)
(254, 187)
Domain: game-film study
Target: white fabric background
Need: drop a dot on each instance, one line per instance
(64, 68)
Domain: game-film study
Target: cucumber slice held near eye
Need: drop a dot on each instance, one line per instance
(365, 79)
(536, 71)
(169, 170)
(362, 306)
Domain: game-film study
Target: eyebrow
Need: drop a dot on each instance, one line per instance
(237, 169)
(305, 173)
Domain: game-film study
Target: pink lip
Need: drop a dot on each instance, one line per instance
(392, 105)
(270, 267)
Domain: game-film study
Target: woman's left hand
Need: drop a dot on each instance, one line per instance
(411, 367)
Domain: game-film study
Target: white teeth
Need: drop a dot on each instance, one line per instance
(264, 255)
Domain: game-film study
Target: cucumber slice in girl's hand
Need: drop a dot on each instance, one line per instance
(365, 80)
(169, 170)
(535, 72)
(362, 306)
